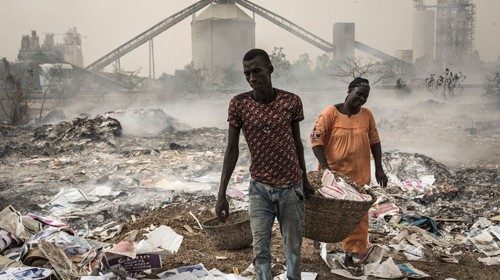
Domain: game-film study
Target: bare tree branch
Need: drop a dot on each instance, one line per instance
(16, 92)
(354, 67)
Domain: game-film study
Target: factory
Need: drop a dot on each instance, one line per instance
(222, 31)
(69, 50)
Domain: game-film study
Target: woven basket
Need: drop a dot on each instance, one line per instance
(234, 234)
(332, 220)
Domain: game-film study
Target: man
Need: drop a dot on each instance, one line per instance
(342, 138)
(270, 120)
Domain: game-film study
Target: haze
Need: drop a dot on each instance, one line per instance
(383, 24)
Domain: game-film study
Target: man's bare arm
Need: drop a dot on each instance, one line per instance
(230, 160)
(300, 153)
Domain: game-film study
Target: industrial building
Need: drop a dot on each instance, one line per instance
(444, 32)
(69, 50)
(455, 26)
(58, 63)
(223, 32)
(221, 35)
(423, 33)
(344, 39)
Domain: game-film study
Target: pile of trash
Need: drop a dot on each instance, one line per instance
(97, 129)
(411, 165)
(207, 138)
(147, 122)
(52, 117)
(35, 246)
(94, 193)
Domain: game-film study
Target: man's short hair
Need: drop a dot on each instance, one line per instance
(253, 53)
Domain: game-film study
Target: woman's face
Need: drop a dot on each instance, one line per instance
(358, 96)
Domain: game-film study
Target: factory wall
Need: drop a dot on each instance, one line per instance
(423, 34)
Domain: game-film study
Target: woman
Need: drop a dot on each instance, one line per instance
(342, 138)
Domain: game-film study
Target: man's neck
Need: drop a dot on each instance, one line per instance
(264, 96)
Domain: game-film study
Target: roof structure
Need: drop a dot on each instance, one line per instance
(220, 11)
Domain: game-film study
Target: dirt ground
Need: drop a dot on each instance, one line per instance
(198, 248)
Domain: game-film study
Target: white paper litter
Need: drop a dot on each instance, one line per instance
(162, 240)
(303, 276)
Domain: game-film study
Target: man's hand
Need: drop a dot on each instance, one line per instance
(381, 177)
(308, 189)
(222, 208)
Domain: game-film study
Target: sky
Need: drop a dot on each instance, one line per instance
(106, 24)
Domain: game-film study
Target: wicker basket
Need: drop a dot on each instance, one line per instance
(332, 220)
(234, 234)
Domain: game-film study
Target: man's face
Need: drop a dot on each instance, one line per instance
(258, 73)
(358, 96)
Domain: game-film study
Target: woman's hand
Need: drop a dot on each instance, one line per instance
(381, 177)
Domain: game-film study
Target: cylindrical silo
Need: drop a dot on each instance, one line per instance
(221, 35)
(423, 34)
(344, 40)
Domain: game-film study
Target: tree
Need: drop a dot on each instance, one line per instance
(189, 79)
(354, 67)
(447, 84)
(282, 67)
(323, 65)
(225, 78)
(15, 93)
(130, 78)
(492, 86)
(302, 68)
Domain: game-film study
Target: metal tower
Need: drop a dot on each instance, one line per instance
(455, 25)
(151, 60)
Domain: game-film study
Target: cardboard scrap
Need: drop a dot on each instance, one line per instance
(126, 247)
(25, 273)
(60, 262)
(386, 269)
(482, 222)
(6, 262)
(374, 266)
(490, 260)
(412, 253)
(140, 263)
(21, 226)
(484, 243)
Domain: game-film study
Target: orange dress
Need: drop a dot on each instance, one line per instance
(347, 142)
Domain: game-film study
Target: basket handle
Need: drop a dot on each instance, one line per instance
(372, 194)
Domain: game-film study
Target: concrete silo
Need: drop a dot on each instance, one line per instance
(423, 33)
(221, 35)
(344, 40)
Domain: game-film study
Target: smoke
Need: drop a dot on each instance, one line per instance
(459, 131)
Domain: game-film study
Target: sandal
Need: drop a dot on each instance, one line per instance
(355, 270)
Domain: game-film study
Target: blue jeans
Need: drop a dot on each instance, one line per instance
(265, 204)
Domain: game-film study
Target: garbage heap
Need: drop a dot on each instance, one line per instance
(95, 224)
